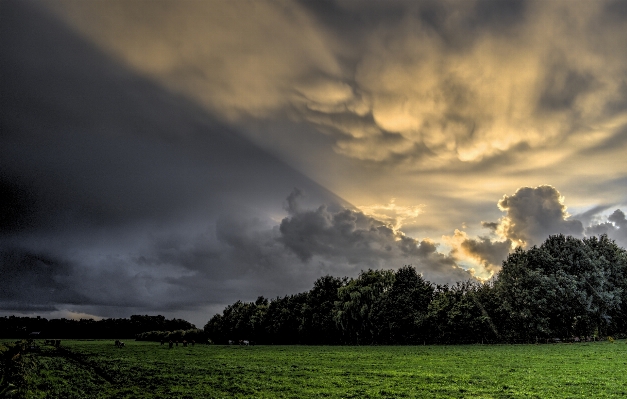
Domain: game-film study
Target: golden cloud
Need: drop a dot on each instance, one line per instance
(406, 96)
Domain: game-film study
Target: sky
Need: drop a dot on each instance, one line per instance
(173, 157)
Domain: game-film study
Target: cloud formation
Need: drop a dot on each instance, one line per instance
(615, 227)
(345, 236)
(534, 213)
(422, 84)
(147, 149)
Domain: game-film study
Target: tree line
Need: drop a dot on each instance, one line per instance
(113, 328)
(566, 287)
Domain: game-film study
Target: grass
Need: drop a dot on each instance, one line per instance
(96, 369)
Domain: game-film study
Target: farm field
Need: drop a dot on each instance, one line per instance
(96, 369)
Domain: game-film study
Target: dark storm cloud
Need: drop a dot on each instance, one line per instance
(490, 225)
(34, 281)
(345, 236)
(102, 170)
(534, 213)
(86, 141)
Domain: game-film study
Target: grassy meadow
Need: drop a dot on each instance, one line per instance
(96, 369)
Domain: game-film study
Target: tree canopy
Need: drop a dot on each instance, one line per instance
(566, 287)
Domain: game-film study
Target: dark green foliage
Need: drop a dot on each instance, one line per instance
(318, 326)
(401, 314)
(240, 321)
(359, 304)
(20, 327)
(565, 288)
(284, 319)
(457, 315)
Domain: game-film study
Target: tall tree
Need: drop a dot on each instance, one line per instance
(564, 287)
(400, 317)
(353, 311)
(318, 325)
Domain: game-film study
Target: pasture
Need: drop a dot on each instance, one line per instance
(97, 369)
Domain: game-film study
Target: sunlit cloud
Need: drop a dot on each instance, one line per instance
(417, 93)
(393, 214)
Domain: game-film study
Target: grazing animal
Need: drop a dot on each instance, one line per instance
(119, 344)
(231, 342)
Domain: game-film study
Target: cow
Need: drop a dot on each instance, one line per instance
(119, 344)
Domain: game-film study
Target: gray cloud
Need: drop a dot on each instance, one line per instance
(35, 281)
(491, 252)
(115, 180)
(534, 213)
(346, 236)
(615, 228)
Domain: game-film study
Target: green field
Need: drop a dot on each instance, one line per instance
(96, 369)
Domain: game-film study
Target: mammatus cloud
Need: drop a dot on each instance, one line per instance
(238, 59)
(421, 84)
